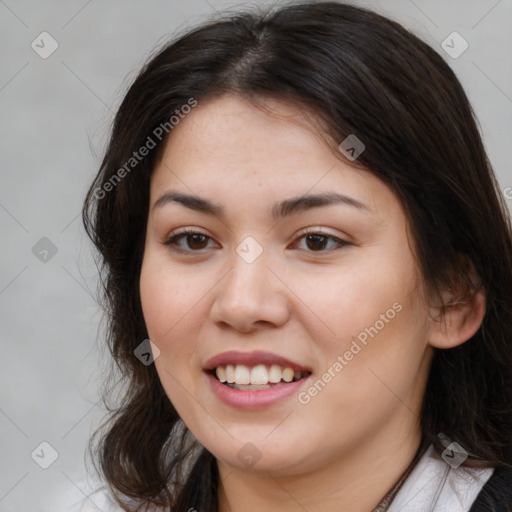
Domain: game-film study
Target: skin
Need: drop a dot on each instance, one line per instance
(350, 443)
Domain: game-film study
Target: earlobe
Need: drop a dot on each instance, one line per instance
(459, 321)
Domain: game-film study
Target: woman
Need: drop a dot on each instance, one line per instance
(297, 210)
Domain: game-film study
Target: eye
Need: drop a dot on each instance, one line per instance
(194, 240)
(317, 241)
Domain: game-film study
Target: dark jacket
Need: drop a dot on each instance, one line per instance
(496, 495)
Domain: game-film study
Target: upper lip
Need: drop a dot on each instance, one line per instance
(251, 359)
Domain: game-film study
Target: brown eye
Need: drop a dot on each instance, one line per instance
(316, 242)
(196, 241)
(319, 242)
(193, 242)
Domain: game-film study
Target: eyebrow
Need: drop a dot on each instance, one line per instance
(279, 210)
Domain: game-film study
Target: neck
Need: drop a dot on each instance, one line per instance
(356, 480)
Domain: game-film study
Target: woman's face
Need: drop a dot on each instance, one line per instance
(298, 261)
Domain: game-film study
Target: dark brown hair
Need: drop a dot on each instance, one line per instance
(358, 73)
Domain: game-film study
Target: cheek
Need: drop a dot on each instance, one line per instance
(169, 297)
(377, 324)
(171, 305)
(167, 307)
(347, 300)
(381, 334)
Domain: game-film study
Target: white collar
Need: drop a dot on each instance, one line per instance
(434, 486)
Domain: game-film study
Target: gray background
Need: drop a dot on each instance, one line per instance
(55, 117)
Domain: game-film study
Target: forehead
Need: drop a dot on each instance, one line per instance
(229, 147)
(232, 130)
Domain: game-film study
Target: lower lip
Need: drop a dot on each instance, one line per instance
(251, 400)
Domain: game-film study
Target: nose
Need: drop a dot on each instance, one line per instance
(250, 297)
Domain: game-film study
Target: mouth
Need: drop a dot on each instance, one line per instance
(257, 377)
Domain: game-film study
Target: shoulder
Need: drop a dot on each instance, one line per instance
(436, 486)
(87, 498)
(92, 501)
(496, 493)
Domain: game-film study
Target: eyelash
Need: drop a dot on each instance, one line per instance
(171, 241)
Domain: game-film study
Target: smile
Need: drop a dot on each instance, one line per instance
(258, 377)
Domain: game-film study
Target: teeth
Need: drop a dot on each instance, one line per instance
(242, 374)
(259, 375)
(275, 373)
(287, 375)
(221, 374)
(230, 373)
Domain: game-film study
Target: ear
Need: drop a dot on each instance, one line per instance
(460, 315)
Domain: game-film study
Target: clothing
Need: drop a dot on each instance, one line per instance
(431, 486)
(498, 489)
(435, 486)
